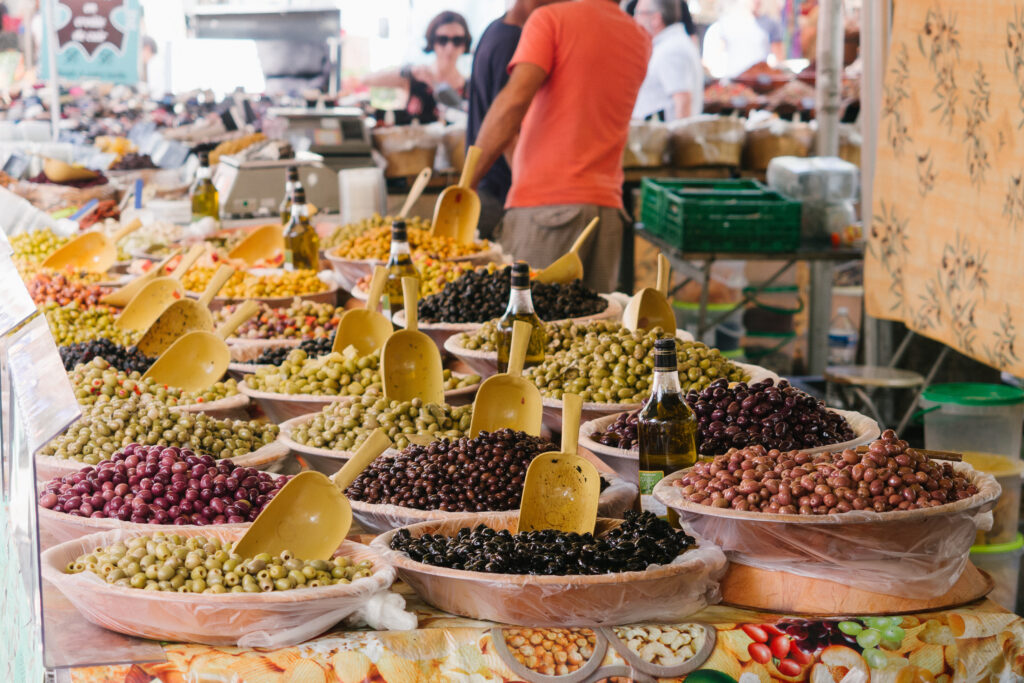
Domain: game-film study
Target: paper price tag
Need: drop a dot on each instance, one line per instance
(42, 389)
(15, 305)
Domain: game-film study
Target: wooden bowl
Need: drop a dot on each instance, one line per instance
(246, 619)
(625, 462)
(50, 467)
(660, 593)
(229, 408)
(280, 408)
(351, 271)
(328, 296)
(911, 553)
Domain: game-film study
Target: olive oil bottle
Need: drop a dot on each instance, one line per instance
(205, 202)
(399, 265)
(301, 243)
(290, 184)
(666, 428)
(520, 307)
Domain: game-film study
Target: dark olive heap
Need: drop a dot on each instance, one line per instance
(127, 359)
(313, 347)
(481, 295)
(640, 541)
(766, 414)
(620, 434)
(468, 475)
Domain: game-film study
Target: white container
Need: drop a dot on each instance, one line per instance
(1002, 563)
(980, 418)
(362, 193)
(819, 179)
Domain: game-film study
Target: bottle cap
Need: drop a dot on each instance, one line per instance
(293, 173)
(398, 231)
(204, 158)
(520, 274)
(665, 354)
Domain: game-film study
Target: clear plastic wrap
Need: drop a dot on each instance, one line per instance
(276, 619)
(408, 149)
(774, 137)
(820, 220)
(909, 553)
(613, 504)
(662, 593)
(647, 144)
(817, 179)
(707, 140)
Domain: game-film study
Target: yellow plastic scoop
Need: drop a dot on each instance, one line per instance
(184, 315)
(310, 516)
(649, 308)
(156, 295)
(508, 400)
(263, 244)
(418, 186)
(457, 211)
(410, 363)
(93, 252)
(122, 295)
(62, 172)
(199, 358)
(561, 490)
(365, 328)
(568, 266)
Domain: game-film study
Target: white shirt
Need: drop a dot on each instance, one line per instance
(734, 43)
(674, 67)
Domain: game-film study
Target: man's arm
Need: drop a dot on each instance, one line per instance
(501, 125)
(683, 104)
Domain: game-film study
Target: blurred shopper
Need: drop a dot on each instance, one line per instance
(685, 18)
(448, 38)
(494, 51)
(674, 85)
(767, 13)
(573, 83)
(735, 42)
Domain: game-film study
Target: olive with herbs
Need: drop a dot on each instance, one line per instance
(126, 358)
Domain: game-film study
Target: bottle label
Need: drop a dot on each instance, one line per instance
(289, 259)
(648, 479)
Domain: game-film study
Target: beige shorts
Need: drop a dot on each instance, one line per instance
(539, 235)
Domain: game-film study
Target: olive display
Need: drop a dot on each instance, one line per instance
(622, 433)
(98, 381)
(246, 285)
(34, 246)
(640, 541)
(345, 426)
(302, 319)
(123, 358)
(618, 367)
(335, 374)
(73, 324)
(482, 474)
(560, 335)
(375, 243)
(196, 564)
(434, 274)
(344, 233)
(889, 476)
(107, 427)
(163, 485)
(767, 414)
(481, 295)
(313, 347)
(63, 289)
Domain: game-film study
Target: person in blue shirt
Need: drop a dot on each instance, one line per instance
(490, 73)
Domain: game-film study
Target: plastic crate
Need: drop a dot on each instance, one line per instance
(720, 216)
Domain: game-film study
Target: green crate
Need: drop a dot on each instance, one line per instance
(719, 215)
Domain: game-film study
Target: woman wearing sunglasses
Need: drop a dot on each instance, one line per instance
(448, 38)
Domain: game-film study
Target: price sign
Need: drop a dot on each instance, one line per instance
(96, 40)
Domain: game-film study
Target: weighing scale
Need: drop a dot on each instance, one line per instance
(339, 134)
(256, 188)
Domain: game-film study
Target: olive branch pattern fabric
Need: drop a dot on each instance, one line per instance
(946, 238)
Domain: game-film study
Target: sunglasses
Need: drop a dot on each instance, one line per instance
(457, 41)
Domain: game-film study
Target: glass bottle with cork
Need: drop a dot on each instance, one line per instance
(520, 307)
(205, 202)
(301, 243)
(666, 428)
(399, 265)
(290, 184)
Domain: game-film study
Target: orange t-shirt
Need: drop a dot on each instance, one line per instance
(571, 141)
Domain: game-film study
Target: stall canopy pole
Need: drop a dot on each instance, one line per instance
(49, 19)
(873, 46)
(829, 75)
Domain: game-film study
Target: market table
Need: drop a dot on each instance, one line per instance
(821, 260)
(971, 643)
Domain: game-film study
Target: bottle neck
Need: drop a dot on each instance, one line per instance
(289, 188)
(299, 211)
(203, 173)
(665, 382)
(400, 248)
(520, 300)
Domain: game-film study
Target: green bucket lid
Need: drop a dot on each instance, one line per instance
(1008, 547)
(695, 306)
(974, 394)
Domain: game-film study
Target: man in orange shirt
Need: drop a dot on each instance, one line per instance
(572, 85)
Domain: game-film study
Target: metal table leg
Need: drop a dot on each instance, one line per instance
(819, 315)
